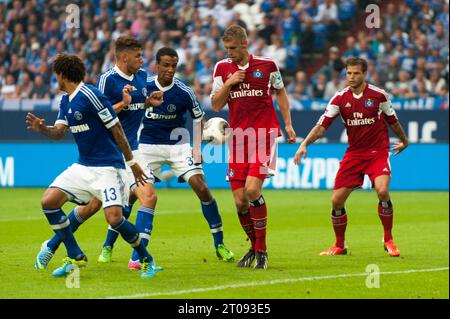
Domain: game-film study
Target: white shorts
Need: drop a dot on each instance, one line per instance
(130, 181)
(178, 157)
(82, 183)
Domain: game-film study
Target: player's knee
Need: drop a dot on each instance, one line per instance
(203, 192)
(337, 201)
(89, 210)
(48, 201)
(383, 193)
(241, 205)
(114, 218)
(149, 200)
(252, 193)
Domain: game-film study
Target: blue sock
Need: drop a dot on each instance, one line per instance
(144, 225)
(112, 235)
(212, 216)
(75, 221)
(61, 226)
(129, 232)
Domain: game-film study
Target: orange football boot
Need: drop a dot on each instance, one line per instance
(335, 250)
(390, 247)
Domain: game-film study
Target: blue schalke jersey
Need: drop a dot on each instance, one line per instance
(160, 121)
(89, 116)
(111, 84)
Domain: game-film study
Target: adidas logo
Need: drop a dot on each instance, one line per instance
(348, 105)
(385, 170)
(70, 111)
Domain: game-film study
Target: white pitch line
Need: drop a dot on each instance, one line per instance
(270, 282)
(7, 220)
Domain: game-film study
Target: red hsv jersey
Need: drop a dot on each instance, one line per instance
(364, 117)
(250, 102)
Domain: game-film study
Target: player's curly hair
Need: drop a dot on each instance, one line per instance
(126, 42)
(70, 67)
(357, 61)
(234, 32)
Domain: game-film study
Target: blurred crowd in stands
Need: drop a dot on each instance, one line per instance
(408, 54)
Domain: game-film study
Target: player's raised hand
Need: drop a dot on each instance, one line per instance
(126, 97)
(34, 123)
(301, 153)
(291, 134)
(236, 78)
(399, 147)
(139, 174)
(154, 99)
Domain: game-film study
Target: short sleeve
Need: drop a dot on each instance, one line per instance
(101, 106)
(105, 84)
(194, 106)
(276, 81)
(331, 112)
(217, 80)
(107, 114)
(386, 107)
(61, 118)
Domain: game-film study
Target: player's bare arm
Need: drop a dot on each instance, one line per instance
(219, 99)
(283, 104)
(317, 132)
(155, 99)
(126, 99)
(38, 125)
(122, 142)
(400, 133)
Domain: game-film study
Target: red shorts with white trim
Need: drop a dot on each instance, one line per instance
(252, 159)
(353, 168)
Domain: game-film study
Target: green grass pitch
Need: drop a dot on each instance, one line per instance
(299, 227)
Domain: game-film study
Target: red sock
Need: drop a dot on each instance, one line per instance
(247, 225)
(339, 220)
(258, 213)
(386, 214)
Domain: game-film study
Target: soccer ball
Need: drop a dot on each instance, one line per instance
(214, 130)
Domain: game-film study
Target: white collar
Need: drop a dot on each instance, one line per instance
(245, 67)
(357, 96)
(126, 77)
(71, 96)
(165, 88)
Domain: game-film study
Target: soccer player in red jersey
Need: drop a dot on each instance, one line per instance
(365, 109)
(245, 82)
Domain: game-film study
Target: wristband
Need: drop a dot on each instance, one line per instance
(131, 162)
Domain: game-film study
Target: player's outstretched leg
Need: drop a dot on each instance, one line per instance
(211, 213)
(242, 206)
(111, 237)
(49, 247)
(60, 224)
(144, 225)
(144, 221)
(258, 214)
(386, 214)
(339, 221)
(130, 234)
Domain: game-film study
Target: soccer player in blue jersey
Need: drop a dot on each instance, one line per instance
(125, 86)
(100, 170)
(160, 144)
